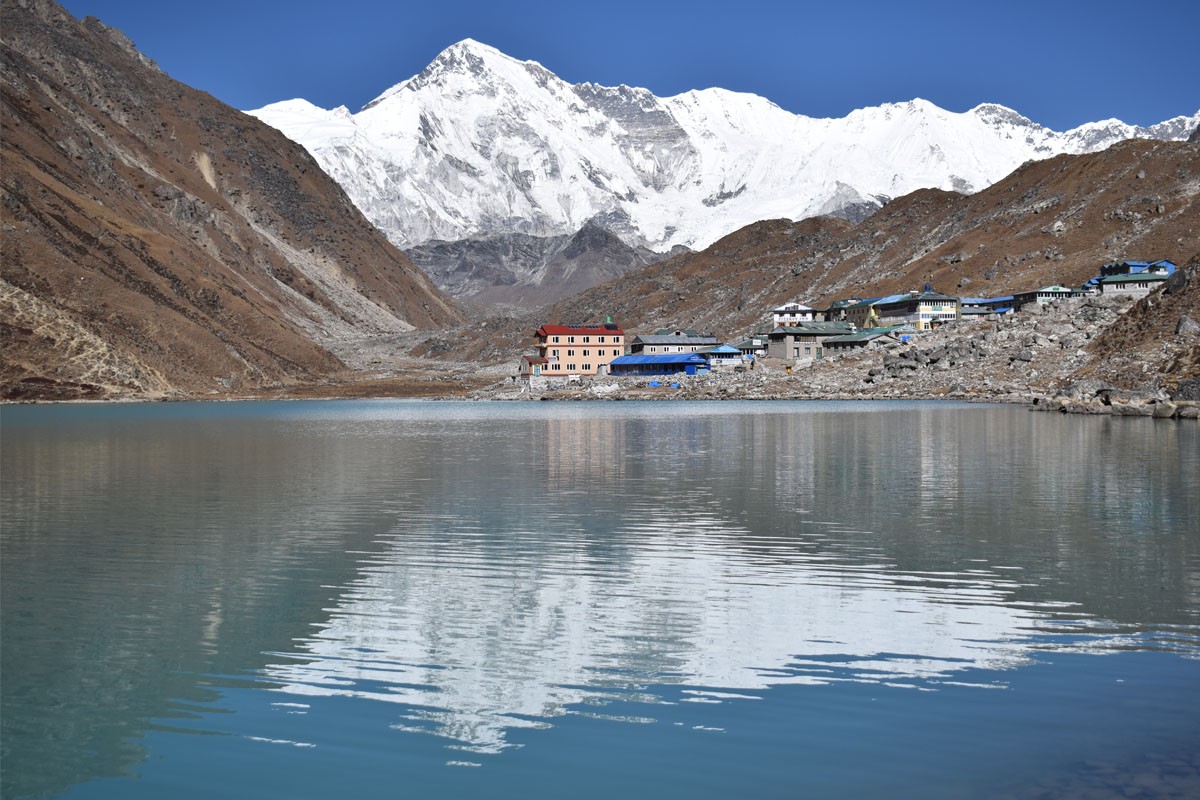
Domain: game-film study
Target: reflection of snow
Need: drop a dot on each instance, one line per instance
(479, 634)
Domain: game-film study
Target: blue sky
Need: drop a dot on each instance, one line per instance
(1058, 63)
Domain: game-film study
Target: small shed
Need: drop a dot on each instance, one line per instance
(722, 356)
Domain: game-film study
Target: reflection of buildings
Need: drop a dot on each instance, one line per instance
(582, 449)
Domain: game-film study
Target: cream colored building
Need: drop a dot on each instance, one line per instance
(578, 349)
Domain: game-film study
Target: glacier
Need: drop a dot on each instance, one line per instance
(480, 144)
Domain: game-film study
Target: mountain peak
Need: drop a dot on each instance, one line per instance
(468, 59)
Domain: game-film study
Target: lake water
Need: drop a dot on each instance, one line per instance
(393, 599)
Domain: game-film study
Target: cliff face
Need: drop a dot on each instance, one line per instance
(156, 242)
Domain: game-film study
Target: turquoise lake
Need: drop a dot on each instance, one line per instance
(402, 599)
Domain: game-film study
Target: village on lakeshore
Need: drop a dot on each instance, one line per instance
(604, 356)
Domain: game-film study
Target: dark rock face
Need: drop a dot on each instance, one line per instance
(1195, 137)
(1187, 390)
(529, 271)
(159, 243)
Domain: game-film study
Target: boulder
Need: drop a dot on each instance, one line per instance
(1187, 326)
(1187, 390)
(1165, 410)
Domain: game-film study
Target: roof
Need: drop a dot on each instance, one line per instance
(1133, 267)
(673, 339)
(815, 329)
(791, 308)
(906, 297)
(603, 328)
(722, 350)
(749, 344)
(536, 359)
(1138, 277)
(852, 338)
(666, 358)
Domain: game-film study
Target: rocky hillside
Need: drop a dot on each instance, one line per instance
(529, 271)
(1155, 346)
(157, 242)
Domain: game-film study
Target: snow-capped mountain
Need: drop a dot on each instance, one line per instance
(481, 144)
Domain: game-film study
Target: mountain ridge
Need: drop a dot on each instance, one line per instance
(480, 144)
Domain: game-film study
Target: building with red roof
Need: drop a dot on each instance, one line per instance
(565, 350)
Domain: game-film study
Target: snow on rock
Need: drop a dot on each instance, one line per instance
(479, 144)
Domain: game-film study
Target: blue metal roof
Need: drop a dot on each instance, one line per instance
(668, 358)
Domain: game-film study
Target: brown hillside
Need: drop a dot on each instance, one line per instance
(156, 241)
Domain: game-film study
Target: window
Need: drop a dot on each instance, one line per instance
(586, 352)
(616, 352)
(601, 340)
(570, 352)
(555, 339)
(570, 367)
(556, 366)
(587, 368)
(587, 339)
(554, 353)
(570, 340)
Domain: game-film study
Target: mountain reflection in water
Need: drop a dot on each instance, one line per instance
(473, 570)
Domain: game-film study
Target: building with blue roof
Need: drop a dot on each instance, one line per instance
(664, 364)
(1137, 284)
(1162, 267)
(923, 310)
(722, 355)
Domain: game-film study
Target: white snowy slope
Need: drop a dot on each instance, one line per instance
(481, 144)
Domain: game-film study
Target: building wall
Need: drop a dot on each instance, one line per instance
(791, 347)
(580, 353)
(1137, 289)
